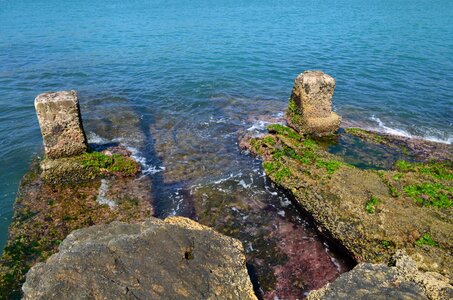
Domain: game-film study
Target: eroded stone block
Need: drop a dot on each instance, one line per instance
(310, 109)
(61, 125)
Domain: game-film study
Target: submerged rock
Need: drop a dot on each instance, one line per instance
(172, 259)
(310, 107)
(61, 124)
(379, 281)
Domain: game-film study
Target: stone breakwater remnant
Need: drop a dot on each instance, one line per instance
(61, 124)
(371, 213)
(310, 105)
(59, 195)
(176, 258)
(375, 212)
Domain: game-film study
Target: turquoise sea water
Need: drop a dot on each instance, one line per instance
(197, 72)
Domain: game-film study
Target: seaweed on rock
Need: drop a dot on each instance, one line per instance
(371, 213)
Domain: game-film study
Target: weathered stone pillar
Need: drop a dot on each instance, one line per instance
(310, 106)
(61, 124)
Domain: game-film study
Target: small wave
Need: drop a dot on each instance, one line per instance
(258, 126)
(227, 178)
(389, 130)
(147, 169)
(432, 138)
(401, 132)
(93, 138)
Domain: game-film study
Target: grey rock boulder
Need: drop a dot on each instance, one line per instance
(61, 125)
(171, 259)
(378, 281)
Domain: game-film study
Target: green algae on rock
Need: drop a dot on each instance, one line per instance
(88, 166)
(341, 198)
(59, 196)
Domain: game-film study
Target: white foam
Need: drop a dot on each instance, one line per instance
(147, 169)
(102, 195)
(227, 178)
(250, 247)
(389, 130)
(177, 200)
(258, 126)
(212, 120)
(285, 202)
(448, 141)
(93, 138)
(244, 185)
(401, 132)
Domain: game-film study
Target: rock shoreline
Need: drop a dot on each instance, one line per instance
(372, 213)
(68, 209)
(58, 196)
(375, 194)
(385, 201)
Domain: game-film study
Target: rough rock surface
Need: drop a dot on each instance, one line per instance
(77, 192)
(173, 259)
(379, 281)
(371, 213)
(310, 109)
(61, 125)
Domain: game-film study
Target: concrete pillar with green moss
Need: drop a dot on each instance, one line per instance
(310, 105)
(61, 124)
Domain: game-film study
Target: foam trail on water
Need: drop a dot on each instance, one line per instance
(400, 132)
(389, 130)
(147, 169)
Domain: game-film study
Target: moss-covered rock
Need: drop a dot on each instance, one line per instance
(59, 196)
(87, 166)
(372, 213)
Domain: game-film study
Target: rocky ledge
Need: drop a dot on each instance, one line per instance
(372, 194)
(70, 188)
(171, 259)
(59, 196)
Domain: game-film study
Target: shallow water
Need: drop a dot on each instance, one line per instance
(185, 77)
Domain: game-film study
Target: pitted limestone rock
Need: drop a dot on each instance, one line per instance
(175, 258)
(61, 124)
(379, 281)
(310, 109)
